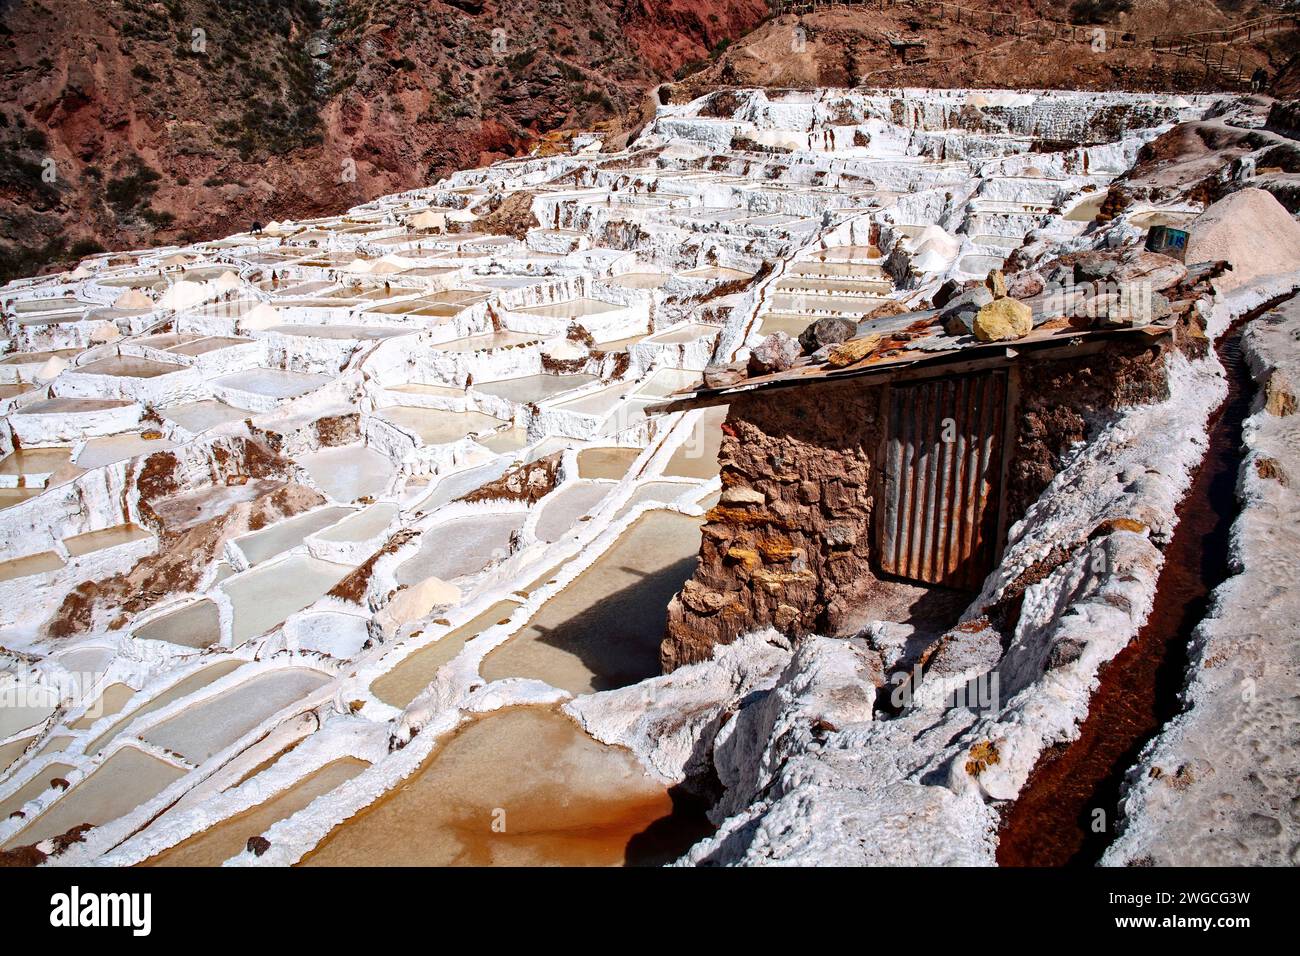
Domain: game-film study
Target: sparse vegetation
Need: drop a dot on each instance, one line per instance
(1098, 11)
(128, 193)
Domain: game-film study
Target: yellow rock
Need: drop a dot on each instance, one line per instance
(1278, 398)
(997, 283)
(854, 350)
(746, 556)
(982, 756)
(1111, 525)
(1267, 467)
(1003, 320)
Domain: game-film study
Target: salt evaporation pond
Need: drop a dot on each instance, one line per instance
(200, 416)
(82, 544)
(11, 751)
(697, 457)
(182, 688)
(349, 472)
(33, 788)
(24, 707)
(436, 426)
(533, 388)
(403, 683)
(37, 563)
(562, 509)
(98, 452)
(361, 526)
(210, 726)
(196, 625)
(460, 547)
(663, 492)
(610, 463)
(215, 845)
(287, 534)
(113, 699)
(35, 461)
(603, 630)
(567, 799)
(265, 596)
(117, 786)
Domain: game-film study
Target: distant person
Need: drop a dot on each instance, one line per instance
(1258, 80)
(257, 228)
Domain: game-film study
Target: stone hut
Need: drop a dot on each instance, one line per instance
(884, 488)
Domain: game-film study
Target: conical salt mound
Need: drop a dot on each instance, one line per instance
(263, 316)
(51, 369)
(228, 280)
(132, 299)
(428, 220)
(184, 294)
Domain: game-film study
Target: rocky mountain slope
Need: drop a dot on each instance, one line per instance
(136, 122)
(995, 43)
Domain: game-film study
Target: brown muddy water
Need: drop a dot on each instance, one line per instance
(521, 787)
(1051, 824)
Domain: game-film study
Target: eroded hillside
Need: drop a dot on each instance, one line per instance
(141, 122)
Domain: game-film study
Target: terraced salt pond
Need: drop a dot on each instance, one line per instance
(25, 706)
(112, 700)
(83, 544)
(610, 463)
(362, 525)
(573, 308)
(349, 472)
(127, 779)
(182, 688)
(215, 845)
(23, 567)
(461, 547)
(664, 492)
(697, 457)
(104, 451)
(603, 630)
(452, 486)
(36, 461)
(11, 751)
(533, 388)
(264, 597)
(562, 509)
(567, 801)
(436, 426)
(284, 535)
(33, 788)
(412, 675)
(199, 416)
(211, 725)
(196, 625)
(271, 382)
(128, 366)
(640, 280)
(16, 496)
(489, 340)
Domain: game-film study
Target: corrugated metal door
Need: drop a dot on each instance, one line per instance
(943, 478)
